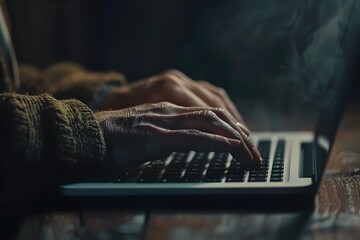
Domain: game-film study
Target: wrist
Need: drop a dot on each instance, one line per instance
(115, 98)
(100, 99)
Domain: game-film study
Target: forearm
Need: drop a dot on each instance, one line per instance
(68, 80)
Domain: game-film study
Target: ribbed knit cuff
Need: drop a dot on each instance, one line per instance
(79, 136)
(43, 128)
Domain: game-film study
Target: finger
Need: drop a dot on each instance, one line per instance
(225, 117)
(216, 116)
(196, 140)
(245, 129)
(225, 98)
(210, 94)
(222, 114)
(190, 99)
(216, 121)
(207, 96)
(242, 135)
(203, 120)
(176, 91)
(245, 137)
(257, 159)
(248, 144)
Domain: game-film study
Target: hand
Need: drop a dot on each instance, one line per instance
(151, 131)
(171, 86)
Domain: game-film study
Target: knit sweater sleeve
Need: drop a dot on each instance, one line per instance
(67, 80)
(44, 143)
(40, 128)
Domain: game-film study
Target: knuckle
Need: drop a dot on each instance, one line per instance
(170, 75)
(248, 140)
(209, 113)
(190, 132)
(163, 104)
(172, 72)
(221, 91)
(162, 107)
(168, 83)
(168, 80)
(222, 111)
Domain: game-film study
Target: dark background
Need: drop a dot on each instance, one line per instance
(254, 49)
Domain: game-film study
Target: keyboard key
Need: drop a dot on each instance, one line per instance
(236, 167)
(264, 175)
(151, 172)
(280, 170)
(180, 156)
(235, 179)
(276, 161)
(219, 171)
(236, 171)
(176, 165)
(195, 169)
(197, 161)
(220, 155)
(278, 166)
(212, 178)
(259, 170)
(266, 165)
(264, 148)
(257, 179)
(276, 179)
(276, 175)
(130, 175)
(171, 179)
(172, 173)
(148, 179)
(189, 179)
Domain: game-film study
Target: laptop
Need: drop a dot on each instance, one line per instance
(287, 179)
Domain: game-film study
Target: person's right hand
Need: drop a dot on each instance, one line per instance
(151, 131)
(170, 86)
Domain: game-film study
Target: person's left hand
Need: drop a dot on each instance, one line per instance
(171, 86)
(149, 132)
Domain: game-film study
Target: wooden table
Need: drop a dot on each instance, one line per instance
(337, 213)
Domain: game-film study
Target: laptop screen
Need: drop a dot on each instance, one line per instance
(288, 56)
(291, 60)
(337, 89)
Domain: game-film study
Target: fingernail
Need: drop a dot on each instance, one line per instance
(233, 142)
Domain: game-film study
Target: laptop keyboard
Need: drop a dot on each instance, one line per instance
(196, 167)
